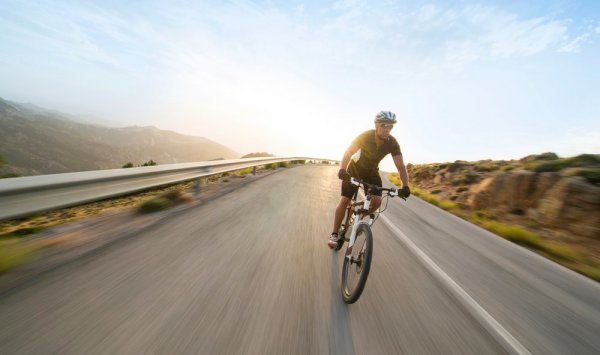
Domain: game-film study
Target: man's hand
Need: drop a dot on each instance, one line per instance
(343, 175)
(404, 192)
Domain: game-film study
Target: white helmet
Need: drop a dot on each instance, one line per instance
(385, 117)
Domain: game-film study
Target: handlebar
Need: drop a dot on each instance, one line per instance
(390, 191)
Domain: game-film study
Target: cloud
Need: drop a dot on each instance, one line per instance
(574, 45)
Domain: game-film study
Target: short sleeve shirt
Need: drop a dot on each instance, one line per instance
(365, 161)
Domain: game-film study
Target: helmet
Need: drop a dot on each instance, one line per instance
(385, 117)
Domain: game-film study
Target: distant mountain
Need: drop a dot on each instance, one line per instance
(257, 155)
(37, 141)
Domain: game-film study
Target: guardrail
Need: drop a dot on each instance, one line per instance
(24, 196)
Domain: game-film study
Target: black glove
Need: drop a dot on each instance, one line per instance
(404, 192)
(343, 175)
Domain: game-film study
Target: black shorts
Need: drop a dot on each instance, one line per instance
(348, 190)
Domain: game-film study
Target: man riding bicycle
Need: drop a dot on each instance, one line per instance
(361, 160)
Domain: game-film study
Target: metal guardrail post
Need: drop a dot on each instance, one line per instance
(253, 170)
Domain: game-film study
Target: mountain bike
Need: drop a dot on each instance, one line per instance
(359, 252)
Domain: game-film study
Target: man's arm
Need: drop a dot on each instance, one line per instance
(347, 155)
(399, 162)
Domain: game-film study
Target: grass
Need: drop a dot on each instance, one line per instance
(431, 198)
(14, 252)
(163, 201)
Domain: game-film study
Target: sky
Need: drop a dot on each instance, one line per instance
(467, 80)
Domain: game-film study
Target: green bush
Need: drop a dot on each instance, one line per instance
(591, 174)
(469, 177)
(583, 160)
(128, 165)
(155, 204)
(149, 163)
(283, 164)
(271, 166)
(539, 157)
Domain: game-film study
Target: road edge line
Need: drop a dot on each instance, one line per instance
(504, 338)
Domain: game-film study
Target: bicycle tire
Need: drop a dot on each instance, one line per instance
(361, 264)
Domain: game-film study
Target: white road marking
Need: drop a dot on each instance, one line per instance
(508, 342)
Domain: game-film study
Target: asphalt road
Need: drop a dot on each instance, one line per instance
(251, 273)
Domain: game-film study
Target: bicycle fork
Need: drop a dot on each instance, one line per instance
(358, 211)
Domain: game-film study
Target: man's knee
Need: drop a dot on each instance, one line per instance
(376, 201)
(344, 202)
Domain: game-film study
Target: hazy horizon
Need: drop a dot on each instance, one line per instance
(468, 81)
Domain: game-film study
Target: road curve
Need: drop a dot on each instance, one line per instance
(250, 273)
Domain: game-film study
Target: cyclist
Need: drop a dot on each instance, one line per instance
(361, 160)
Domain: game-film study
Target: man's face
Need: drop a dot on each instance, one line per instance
(383, 130)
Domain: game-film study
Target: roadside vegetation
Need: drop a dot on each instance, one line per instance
(450, 186)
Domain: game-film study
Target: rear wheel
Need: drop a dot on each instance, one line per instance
(357, 264)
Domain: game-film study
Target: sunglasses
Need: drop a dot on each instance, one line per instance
(386, 125)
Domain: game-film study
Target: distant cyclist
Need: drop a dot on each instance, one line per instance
(361, 160)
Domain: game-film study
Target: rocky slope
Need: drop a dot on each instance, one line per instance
(559, 199)
(34, 141)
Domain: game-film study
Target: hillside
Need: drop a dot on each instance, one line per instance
(544, 202)
(35, 141)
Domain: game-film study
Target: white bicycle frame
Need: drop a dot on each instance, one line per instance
(357, 220)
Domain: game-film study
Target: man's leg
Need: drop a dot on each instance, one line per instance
(375, 203)
(339, 213)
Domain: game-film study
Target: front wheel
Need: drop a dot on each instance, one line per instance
(357, 264)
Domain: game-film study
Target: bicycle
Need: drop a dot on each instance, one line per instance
(358, 260)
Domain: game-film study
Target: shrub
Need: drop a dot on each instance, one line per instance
(517, 211)
(271, 166)
(592, 175)
(283, 164)
(539, 157)
(155, 204)
(583, 160)
(128, 165)
(9, 175)
(149, 163)
(457, 165)
(469, 177)
(164, 201)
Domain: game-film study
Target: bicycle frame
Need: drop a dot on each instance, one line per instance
(358, 211)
